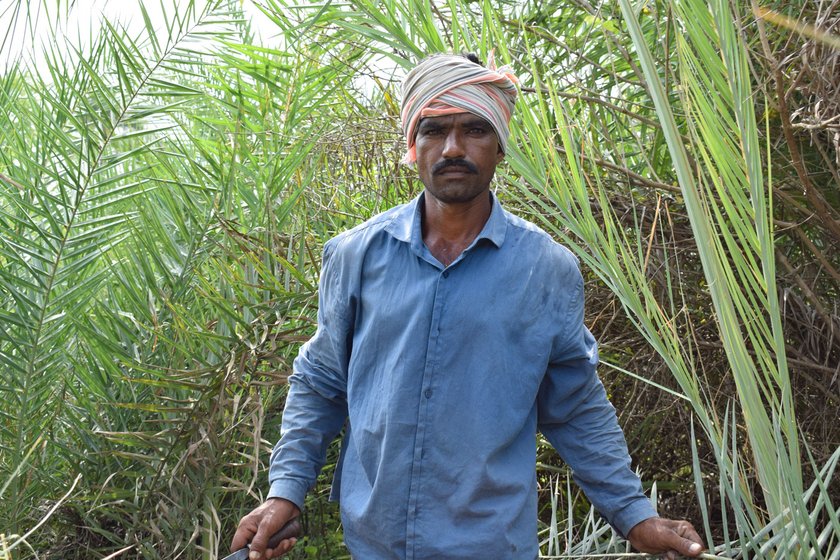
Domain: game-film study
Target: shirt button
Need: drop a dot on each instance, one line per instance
(446, 274)
(428, 393)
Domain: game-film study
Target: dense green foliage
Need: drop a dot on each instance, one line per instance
(164, 197)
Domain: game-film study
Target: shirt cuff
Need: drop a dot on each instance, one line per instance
(631, 515)
(290, 490)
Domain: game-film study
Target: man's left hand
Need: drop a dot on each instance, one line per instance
(671, 537)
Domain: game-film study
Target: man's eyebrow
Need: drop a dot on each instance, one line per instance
(428, 124)
(476, 122)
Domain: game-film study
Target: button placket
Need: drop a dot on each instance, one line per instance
(423, 414)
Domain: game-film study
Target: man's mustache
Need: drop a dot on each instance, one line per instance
(440, 166)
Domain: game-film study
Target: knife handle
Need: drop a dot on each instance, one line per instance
(289, 530)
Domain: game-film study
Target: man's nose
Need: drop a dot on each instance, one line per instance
(453, 146)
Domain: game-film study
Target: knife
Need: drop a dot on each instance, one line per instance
(287, 531)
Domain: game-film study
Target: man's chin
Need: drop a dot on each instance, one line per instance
(453, 192)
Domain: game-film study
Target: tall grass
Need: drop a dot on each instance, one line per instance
(157, 271)
(164, 195)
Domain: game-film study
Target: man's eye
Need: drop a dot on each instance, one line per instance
(478, 130)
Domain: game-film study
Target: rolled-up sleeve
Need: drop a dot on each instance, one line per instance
(576, 417)
(316, 406)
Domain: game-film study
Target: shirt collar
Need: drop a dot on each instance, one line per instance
(406, 223)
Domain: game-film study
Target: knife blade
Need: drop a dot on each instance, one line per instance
(287, 531)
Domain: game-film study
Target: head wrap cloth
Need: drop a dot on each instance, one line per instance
(446, 84)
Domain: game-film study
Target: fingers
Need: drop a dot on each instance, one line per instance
(269, 524)
(686, 547)
(246, 530)
(261, 524)
(690, 542)
(657, 535)
(685, 539)
(690, 546)
(282, 548)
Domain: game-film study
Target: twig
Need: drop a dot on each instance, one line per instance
(809, 294)
(632, 175)
(4, 554)
(12, 182)
(820, 256)
(117, 553)
(826, 214)
(703, 555)
(815, 383)
(803, 28)
(597, 101)
(46, 517)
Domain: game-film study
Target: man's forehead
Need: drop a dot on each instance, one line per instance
(464, 118)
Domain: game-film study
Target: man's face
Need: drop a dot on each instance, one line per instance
(456, 156)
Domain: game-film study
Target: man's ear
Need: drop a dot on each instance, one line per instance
(500, 155)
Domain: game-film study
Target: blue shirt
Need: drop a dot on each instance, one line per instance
(442, 376)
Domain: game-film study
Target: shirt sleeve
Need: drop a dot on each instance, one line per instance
(316, 406)
(576, 417)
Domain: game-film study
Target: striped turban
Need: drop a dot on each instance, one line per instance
(444, 84)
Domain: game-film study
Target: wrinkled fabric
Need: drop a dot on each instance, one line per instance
(445, 84)
(441, 377)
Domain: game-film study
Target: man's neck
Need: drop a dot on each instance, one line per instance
(449, 228)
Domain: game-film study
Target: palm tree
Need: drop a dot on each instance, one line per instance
(164, 194)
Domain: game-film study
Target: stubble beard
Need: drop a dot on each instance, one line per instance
(457, 193)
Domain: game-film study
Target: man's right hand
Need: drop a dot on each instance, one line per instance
(259, 525)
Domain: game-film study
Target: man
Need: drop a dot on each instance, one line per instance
(449, 331)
